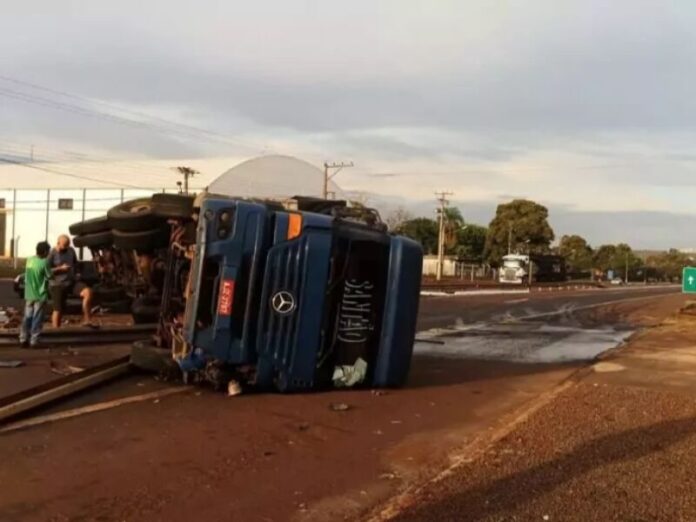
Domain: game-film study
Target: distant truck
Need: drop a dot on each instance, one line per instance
(545, 268)
(293, 295)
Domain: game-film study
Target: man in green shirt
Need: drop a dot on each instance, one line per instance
(36, 276)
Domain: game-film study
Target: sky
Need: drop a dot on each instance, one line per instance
(587, 107)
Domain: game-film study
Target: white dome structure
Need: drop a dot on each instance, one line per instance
(274, 177)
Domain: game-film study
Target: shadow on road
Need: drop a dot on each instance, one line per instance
(505, 494)
(431, 371)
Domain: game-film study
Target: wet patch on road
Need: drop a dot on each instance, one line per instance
(527, 342)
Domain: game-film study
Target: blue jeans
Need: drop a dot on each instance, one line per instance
(32, 323)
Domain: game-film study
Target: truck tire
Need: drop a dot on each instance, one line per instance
(135, 215)
(90, 226)
(95, 240)
(146, 309)
(177, 206)
(146, 356)
(120, 306)
(108, 294)
(143, 241)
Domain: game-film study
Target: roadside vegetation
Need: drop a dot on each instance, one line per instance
(522, 226)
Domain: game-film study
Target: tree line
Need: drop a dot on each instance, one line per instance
(521, 226)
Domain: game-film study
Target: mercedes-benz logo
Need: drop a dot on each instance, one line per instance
(283, 302)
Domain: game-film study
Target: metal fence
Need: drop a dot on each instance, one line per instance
(28, 216)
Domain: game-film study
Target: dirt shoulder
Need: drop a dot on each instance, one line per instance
(619, 444)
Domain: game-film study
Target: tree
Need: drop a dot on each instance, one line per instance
(471, 242)
(454, 221)
(522, 223)
(604, 257)
(616, 258)
(668, 265)
(397, 217)
(577, 253)
(423, 230)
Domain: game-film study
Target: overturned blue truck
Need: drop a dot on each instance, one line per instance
(290, 295)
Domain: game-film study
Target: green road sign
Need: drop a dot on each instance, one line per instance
(689, 280)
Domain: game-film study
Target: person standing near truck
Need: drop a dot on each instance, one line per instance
(63, 262)
(36, 277)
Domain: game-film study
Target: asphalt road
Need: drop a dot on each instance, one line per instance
(288, 456)
(441, 312)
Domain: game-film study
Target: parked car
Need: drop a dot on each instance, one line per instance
(617, 281)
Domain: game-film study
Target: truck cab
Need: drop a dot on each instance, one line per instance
(296, 299)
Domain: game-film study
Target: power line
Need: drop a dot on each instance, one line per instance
(68, 174)
(127, 111)
(113, 168)
(155, 123)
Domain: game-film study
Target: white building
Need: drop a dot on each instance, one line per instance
(39, 200)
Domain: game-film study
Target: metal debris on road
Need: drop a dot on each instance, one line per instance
(234, 388)
(339, 406)
(11, 364)
(347, 376)
(64, 369)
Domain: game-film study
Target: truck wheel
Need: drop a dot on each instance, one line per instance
(119, 306)
(108, 294)
(146, 309)
(95, 240)
(178, 206)
(143, 241)
(146, 356)
(89, 226)
(133, 216)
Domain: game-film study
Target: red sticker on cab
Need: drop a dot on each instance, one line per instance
(226, 297)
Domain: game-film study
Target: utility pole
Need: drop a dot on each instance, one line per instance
(442, 199)
(187, 172)
(327, 166)
(626, 278)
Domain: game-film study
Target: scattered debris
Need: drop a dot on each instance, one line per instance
(339, 406)
(64, 369)
(11, 364)
(396, 422)
(347, 376)
(378, 393)
(9, 318)
(303, 426)
(234, 388)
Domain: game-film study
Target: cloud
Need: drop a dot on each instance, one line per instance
(584, 106)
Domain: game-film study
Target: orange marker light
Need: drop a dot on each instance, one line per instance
(294, 225)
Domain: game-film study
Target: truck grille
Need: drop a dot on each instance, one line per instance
(285, 273)
(510, 274)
